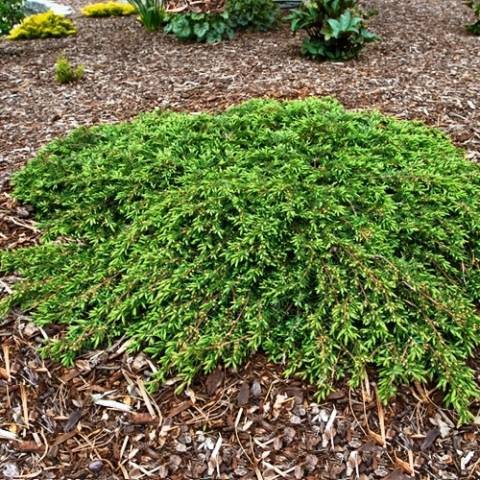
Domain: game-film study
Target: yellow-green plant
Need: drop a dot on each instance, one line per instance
(43, 25)
(65, 72)
(108, 9)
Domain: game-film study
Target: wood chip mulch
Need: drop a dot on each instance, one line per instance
(97, 420)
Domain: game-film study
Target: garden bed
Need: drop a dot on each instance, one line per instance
(416, 71)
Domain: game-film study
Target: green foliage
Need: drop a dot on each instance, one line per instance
(257, 15)
(11, 12)
(475, 6)
(43, 25)
(65, 72)
(151, 13)
(336, 29)
(108, 9)
(330, 240)
(200, 27)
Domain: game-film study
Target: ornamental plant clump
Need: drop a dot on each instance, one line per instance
(11, 12)
(212, 27)
(256, 15)
(330, 240)
(200, 27)
(43, 25)
(151, 13)
(108, 9)
(65, 72)
(475, 6)
(336, 29)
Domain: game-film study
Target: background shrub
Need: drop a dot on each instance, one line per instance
(330, 240)
(212, 27)
(258, 15)
(335, 29)
(108, 9)
(43, 25)
(65, 72)
(474, 27)
(11, 12)
(151, 13)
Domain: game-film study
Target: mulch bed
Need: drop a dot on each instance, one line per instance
(96, 420)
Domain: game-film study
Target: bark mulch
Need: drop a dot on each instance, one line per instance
(97, 420)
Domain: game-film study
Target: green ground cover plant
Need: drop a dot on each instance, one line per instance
(330, 240)
(108, 9)
(43, 25)
(335, 29)
(11, 12)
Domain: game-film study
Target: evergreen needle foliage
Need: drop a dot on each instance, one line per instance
(43, 25)
(65, 72)
(108, 9)
(328, 239)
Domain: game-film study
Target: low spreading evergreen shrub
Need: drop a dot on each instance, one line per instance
(11, 12)
(108, 9)
(336, 29)
(330, 240)
(475, 26)
(43, 25)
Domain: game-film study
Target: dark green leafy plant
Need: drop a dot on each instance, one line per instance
(256, 15)
(330, 240)
(151, 13)
(200, 27)
(213, 27)
(11, 12)
(335, 28)
(474, 27)
(65, 72)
